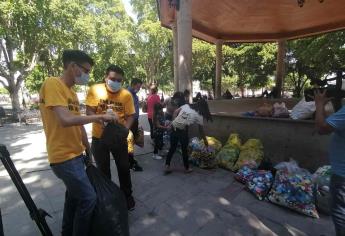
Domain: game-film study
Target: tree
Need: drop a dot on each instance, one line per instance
(253, 64)
(152, 45)
(22, 37)
(314, 58)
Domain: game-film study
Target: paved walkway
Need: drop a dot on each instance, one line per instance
(205, 202)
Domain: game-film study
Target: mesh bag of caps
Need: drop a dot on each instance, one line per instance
(322, 179)
(203, 156)
(293, 188)
(228, 155)
(258, 182)
(251, 155)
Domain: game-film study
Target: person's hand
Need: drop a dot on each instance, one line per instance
(108, 118)
(320, 98)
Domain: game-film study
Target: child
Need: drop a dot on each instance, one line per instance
(184, 116)
(158, 129)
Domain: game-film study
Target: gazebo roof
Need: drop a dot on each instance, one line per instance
(259, 20)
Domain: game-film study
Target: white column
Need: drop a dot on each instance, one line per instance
(175, 52)
(184, 45)
(219, 62)
(280, 66)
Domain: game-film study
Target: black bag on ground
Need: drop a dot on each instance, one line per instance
(110, 215)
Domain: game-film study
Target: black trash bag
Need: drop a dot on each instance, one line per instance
(110, 215)
(114, 136)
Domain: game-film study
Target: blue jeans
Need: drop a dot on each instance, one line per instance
(80, 199)
(337, 189)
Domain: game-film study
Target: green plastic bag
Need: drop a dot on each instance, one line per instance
(227, 157)
(252, 144)
(234, 140)
(215, 143)
(251, 154)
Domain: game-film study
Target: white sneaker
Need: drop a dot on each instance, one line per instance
(157, 157)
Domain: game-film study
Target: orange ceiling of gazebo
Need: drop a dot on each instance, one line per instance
(259, 20)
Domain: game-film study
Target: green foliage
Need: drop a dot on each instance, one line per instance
(39, 30)
(3, 91)
(253, 64)
(314, 58)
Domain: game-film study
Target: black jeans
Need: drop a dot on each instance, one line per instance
(158, 136)
(135, 127)
(101, 154)
(337, 189)
(151, 127)
(178, 136)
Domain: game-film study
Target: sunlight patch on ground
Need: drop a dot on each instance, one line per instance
(149, 221)
(293, 231)
(182, 214)
(224, 201)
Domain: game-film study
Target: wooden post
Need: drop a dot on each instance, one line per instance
(175, 54)
(184, 45)
(219, 62)
(280, 67)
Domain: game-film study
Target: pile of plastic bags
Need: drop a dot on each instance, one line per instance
(229, 154)
(293, 188)
(244, 174)
(322, 179)
(202, 156)
(251, 155)
(260, 183)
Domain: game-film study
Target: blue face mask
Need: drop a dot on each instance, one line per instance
(114, 86)
(83, 79)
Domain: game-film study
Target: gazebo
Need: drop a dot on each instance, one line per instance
(220, 22)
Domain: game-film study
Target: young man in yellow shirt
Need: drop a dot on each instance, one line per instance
(66, 139)
(100, 98)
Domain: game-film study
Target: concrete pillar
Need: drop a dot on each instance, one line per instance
(175, 54)
(219, 62)
(184, 45)
(280, 66)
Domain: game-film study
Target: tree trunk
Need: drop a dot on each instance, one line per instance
(14, 95)
(242, 91)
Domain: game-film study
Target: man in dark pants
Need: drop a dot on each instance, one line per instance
(102, 98)
(67, 140)
(335, 125)
(134, 89)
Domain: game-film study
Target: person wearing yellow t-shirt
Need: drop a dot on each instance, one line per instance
(66, 139)
(100, 98)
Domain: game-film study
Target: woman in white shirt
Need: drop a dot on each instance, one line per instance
(184, 116)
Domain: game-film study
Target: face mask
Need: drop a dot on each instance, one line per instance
(83, 79)
(114, 86)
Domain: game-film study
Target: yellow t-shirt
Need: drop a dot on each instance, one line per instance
(63, 143)
(100, 98)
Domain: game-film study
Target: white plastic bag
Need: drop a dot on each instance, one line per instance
(303, 110)
(280, 110)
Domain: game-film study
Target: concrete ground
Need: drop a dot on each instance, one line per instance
(205, 202)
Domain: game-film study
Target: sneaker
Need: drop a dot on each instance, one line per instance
(130, 203)
(136, 167)
(189, 170)
(157, 157)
